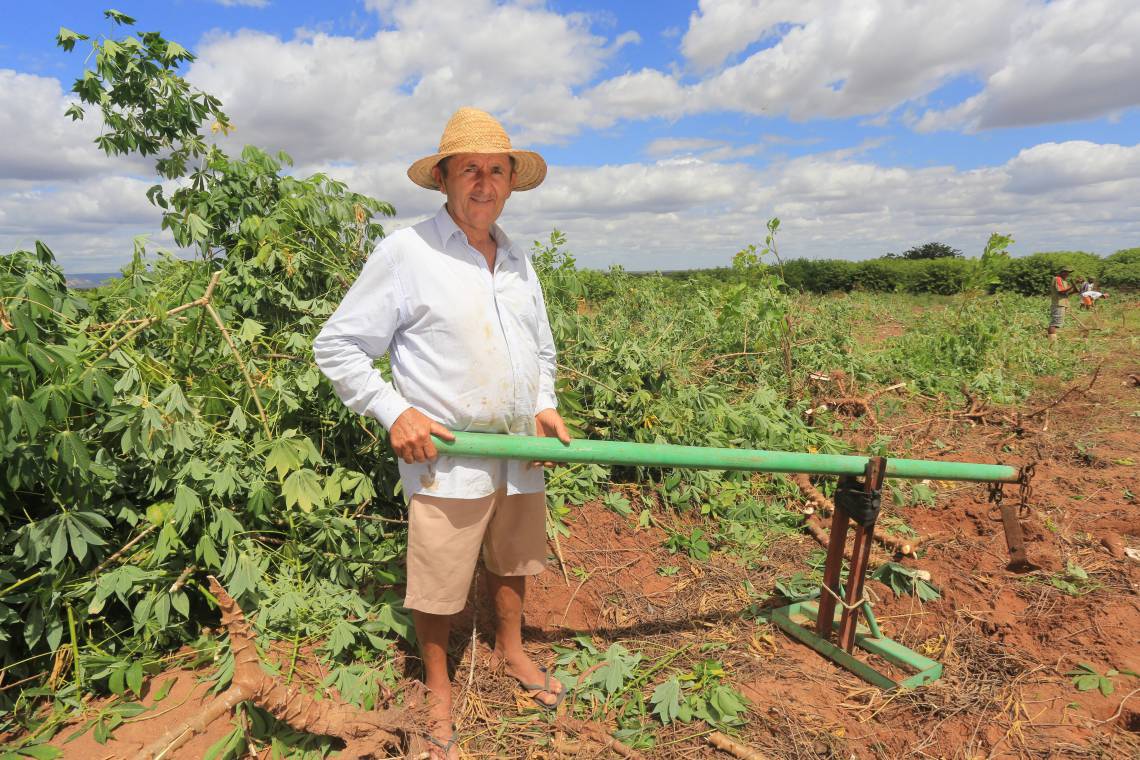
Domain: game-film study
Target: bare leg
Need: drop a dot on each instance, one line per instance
(432, 632)
(507, 593)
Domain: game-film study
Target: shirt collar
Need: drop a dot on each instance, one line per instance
(448, 229)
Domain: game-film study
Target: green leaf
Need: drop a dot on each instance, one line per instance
(1086, 683)
(227, 747)
(180, 602)
(24, 415)
(206, 553)
(162, 609)
(303, 489)
(283, 457)
(249, 330)
(66, 38)
(59, 544)
(78, 545)
(163, 690)
(134, 677)
(342, 637)
(41, 752)
(666, 700)
(117, 682)
(118, 17)
(186, 505)
(727, 703)
(72, 451)
(199, 230)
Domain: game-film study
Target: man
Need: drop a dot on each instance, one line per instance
(1059, 294)
(460, 310)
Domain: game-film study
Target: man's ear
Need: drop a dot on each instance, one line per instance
(437, 175)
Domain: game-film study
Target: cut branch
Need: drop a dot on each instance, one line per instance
(124, 549)
(203, 300)
(241, 366)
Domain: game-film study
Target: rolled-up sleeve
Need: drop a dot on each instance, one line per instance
(547, 359)
(359, 332)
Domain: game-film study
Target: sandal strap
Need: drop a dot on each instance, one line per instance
(445, 746)
(545, 686)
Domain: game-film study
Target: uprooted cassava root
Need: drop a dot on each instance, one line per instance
(598, 733)
(825, 506)
(849, 403)
(733, 747)
(365, 733)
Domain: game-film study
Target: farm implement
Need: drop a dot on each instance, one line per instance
(828, 619)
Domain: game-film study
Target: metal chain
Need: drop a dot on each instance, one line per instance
(995, 498)
(1025, 489)
(1024, 494)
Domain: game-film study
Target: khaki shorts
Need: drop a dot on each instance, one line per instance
(444, 536)
(1057, 316)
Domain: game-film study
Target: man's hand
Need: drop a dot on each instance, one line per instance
(411, 434)
(548, 424)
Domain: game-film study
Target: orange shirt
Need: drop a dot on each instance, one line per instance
(1060, 286)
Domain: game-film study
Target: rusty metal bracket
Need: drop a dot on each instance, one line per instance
(860, 556)
(1011, 516)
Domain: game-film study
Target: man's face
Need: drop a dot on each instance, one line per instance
(477, 186)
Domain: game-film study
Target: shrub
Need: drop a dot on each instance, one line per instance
(944, 277)
(1030, 276)
(1122, 270)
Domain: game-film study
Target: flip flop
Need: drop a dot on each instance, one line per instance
(545, 687)
(445, 746)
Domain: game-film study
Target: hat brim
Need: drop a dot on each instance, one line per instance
(530, 168)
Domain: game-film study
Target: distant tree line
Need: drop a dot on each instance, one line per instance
(937, 268)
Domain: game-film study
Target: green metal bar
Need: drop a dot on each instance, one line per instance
(668, 455)
(796, 618)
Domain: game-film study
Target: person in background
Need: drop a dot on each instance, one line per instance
(1059, 294)
(1089, 294)
(459, 309)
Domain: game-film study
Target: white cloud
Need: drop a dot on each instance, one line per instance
(1037, 62)
(837, 60)
(721, 28)
(1053, 167)
(39, 142)
(667, 146)
(694, 213)
(707, 149)
(337, 98)
(88, 223)
(1068, 60)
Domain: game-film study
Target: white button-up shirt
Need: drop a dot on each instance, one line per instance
(469, 348)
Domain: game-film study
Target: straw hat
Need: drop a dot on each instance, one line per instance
(473, 131)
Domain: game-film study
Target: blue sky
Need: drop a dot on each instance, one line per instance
(672, 129)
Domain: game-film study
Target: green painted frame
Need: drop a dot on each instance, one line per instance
(796, 619)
